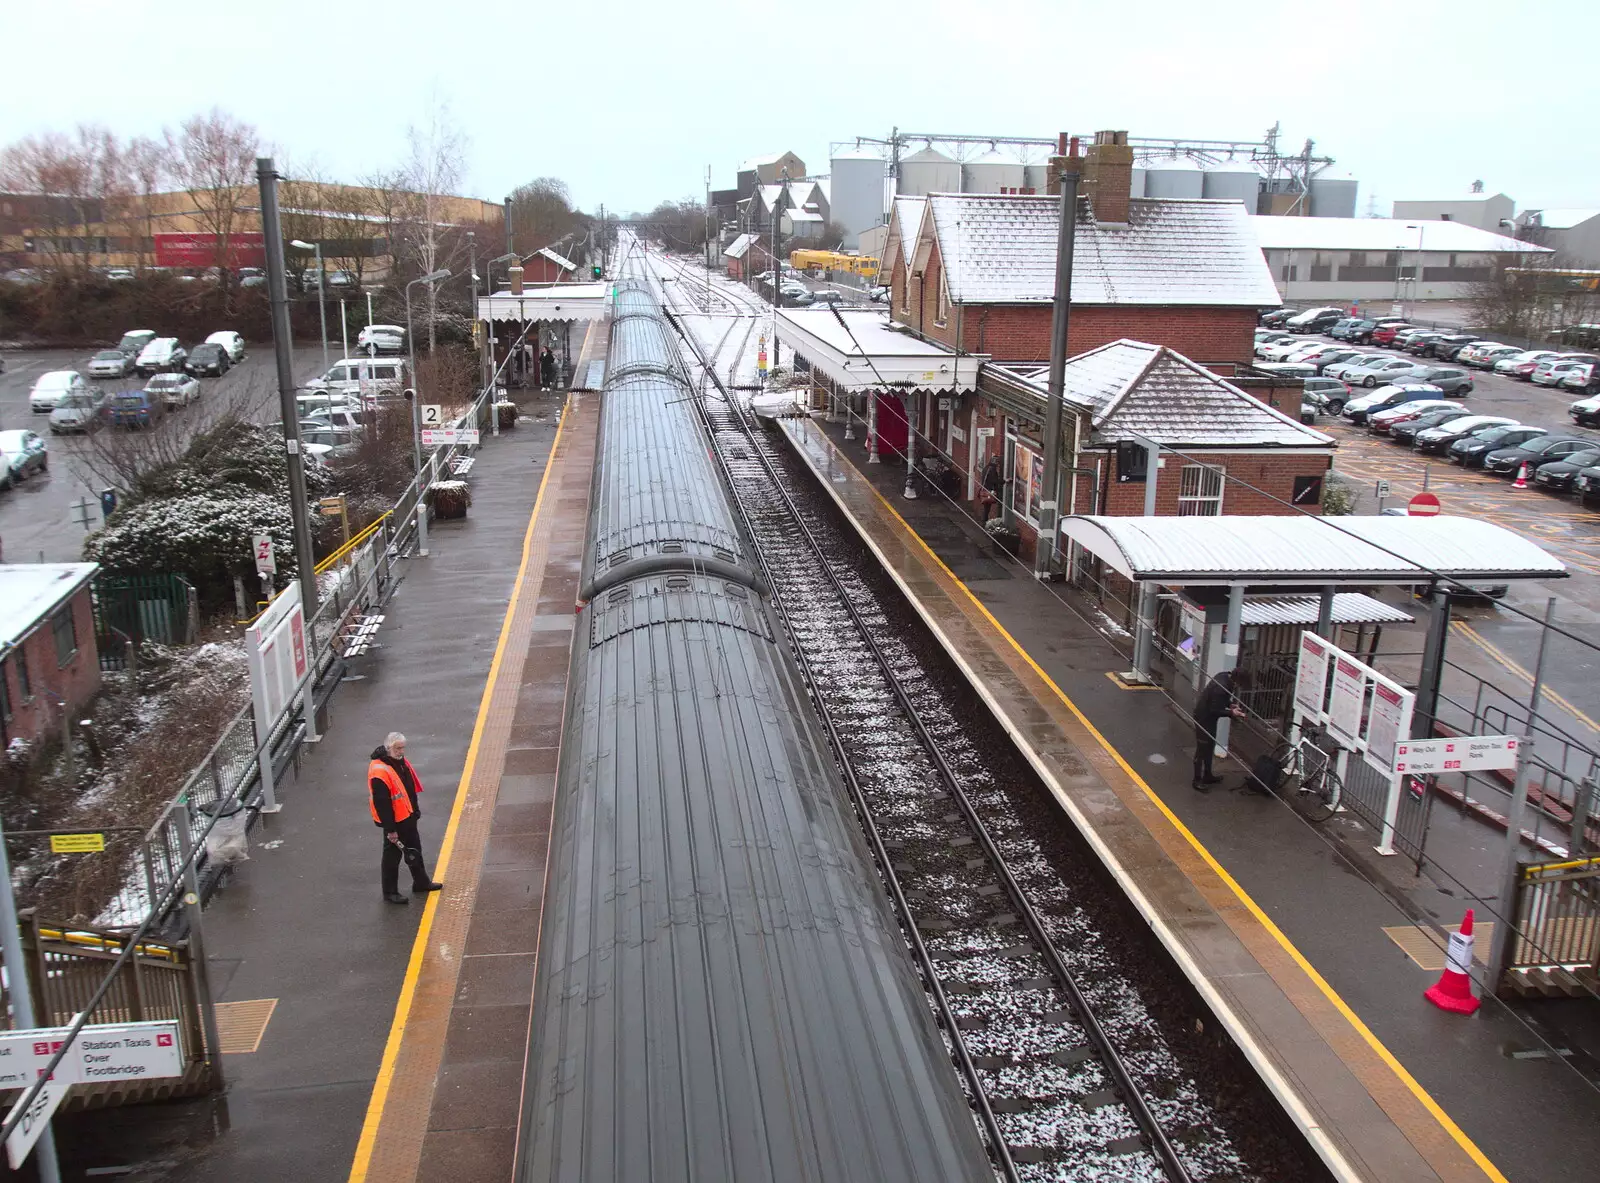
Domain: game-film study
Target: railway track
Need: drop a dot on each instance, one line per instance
(1050, 1088)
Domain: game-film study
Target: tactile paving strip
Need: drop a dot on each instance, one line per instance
(1422, 945)
(240, 1025)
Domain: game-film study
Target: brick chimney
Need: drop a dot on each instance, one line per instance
(1108, 176)
(516, 279)
(1065, 159)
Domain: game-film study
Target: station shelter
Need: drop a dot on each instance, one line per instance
(531, 318)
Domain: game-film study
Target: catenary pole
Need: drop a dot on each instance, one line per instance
(278, 293)
(1049, 517)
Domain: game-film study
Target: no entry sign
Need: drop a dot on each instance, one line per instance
(1423, 505)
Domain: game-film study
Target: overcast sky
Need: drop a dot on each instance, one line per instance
(629, 101)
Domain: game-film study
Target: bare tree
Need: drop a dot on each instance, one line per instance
(144, 168)
(541, 212)
(213, 158)
(73, 178)
(432, 172)
(1531, 296)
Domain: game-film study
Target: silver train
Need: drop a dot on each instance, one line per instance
(722, 991)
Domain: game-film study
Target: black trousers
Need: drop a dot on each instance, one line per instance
(1205, 746)
(410, 849)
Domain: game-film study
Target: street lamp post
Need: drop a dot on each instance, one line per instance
(411, 345)
(322, 294)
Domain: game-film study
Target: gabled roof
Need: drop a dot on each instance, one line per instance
(560, 261)
(769, 195)
(1134, 388)
(1381, 234)
(801, 215)
(737, 248)
(29, 592)
(1560, 219)
(905, 227)
(1001, 249)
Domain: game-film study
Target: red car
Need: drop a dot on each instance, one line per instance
(1384, 334)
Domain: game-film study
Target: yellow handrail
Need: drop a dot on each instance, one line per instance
(354, 542)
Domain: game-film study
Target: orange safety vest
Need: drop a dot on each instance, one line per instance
(398, 800)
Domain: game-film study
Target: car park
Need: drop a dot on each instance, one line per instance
(136, 408)
(1357, 409)
(1314, 320)
(162, 355)
(1275, 318)
(231, 341)
(50, 388)
(1326, 394)
(1544, 450)
(1450, 379)
(134, 341)
(1448, 346)
(1521, 365)
(1406, 431)
(22, 453)
(1437, 438)
(375, 339)
(1485, 359)
(1380, 422)
(1416, 341)
(110, 363)
(175, 391)
(1470, 451)
(82, 411)
(1557, 477)
(1384, 333)
(1583, 376)
(1379, 371)
(1551, 370)
(207, 360)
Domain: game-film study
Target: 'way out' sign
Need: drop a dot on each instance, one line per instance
(1463, 753)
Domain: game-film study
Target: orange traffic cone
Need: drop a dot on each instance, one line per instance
(1522, 477)
(1453, 990)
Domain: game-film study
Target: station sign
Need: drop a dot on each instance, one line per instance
(1461, 753)
(440, 437)
(77, 843)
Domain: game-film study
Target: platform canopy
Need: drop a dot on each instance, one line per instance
(1303, 549)
(858, 350)
(558, 302)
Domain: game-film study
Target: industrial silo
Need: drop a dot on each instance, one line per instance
(1173, 177)
(855, 198)
(1333, 195)
(1232, 180)
(928, 171)
(1036, 177)
(1136, 188)
(992, 173)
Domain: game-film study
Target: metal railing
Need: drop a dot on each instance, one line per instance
(1555, 945)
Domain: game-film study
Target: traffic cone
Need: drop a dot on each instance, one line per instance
(1522, 477)
(1453, 990)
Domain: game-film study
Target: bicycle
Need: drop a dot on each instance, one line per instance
(1307, 779)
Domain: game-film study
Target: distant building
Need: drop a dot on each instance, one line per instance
(1485, 211)
(48, 659)
(1574, 234)
(735, 256)
(1344, 259)
(546, 266)
(769, 170)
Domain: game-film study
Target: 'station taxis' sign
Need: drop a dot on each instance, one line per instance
(1462, 753)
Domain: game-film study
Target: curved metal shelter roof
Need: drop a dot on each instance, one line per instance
(1310, 550)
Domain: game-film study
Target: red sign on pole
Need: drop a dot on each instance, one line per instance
(202, 250)
(1423, 505)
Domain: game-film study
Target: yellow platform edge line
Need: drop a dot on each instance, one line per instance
(1505, 659)
(1457, 1134)
(419, 947)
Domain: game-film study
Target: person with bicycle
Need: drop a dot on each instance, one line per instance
(1218, 699)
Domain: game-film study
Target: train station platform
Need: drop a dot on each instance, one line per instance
(1282, 935)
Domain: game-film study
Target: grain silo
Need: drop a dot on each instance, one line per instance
(928, 171)
(1232, 180)
(855, 196)
(992, 172)
(1173, 177)
(1136, 186)
(1333, 195)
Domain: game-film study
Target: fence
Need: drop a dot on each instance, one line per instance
(1555, 945)
(129, 609)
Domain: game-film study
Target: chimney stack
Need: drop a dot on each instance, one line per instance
(1108, 176)
(1066, 159)
(516, 279)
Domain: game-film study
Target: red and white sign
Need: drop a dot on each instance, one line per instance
(1462, 753)
(1311, 677)
(206, 250)
(1387, 725)
(276, 648)
(266, 559)
(1346, 700)
(1423, 505)
(439, 437)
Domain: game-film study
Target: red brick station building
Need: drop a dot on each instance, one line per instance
(1165, 297)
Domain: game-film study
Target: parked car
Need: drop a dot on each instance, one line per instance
(231, 341)
(1447, 346)
(1357, 333)
(1280, 350)
(162, 355)
(1415, 342)
(879, 295)
(175, 391)
(345, 418)
(82, 411)
(1380, 422)
(1582, 376)
(1340, 370)
(1385, 333)
(1485, 359)
(1263, 343)
(110, 363)
(1335, 355)
(1546, 449)
(1587, 484)
(1469, 451)
(312, 405)
(1406, 431)
(1340, 327)
(52, 387)
(1557, 477)
(136, 408)
(1586, 411)
(363, 377)
(1401, 341)
(376, 339)
(1357, 409)
(1277, 317)
(345, 280)
(1326, 394)
(1521, 365)
(1450, 379)
(1551, 370)
(1469, 354)
(338, 440)
(1437, 438)
(119, 274)
(208, 360)
(1380, 372)
(1314, 320)
(1287, 369)
(22, 453)
(134, 341)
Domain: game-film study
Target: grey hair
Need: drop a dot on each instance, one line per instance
(393, 738)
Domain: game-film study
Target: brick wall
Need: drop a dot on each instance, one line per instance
(38, 713)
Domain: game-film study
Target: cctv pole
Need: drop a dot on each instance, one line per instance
(278, 294)
(322, 305)
(22, 998)
(1049, 517)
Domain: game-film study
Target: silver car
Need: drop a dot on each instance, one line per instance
(110, 363)
(81, 410)
(1383, 371)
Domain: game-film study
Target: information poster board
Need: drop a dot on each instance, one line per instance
(1311, 676)
(1390, 723)
(1346, 699)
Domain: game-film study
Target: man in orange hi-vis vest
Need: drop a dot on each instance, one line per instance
(394, 786)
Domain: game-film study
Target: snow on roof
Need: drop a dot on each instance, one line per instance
(769, 194)
(737, 248)
(29, 592)
(800, 215)
(1001, 249)
(559, 260)
(825, 187)
(905, 226)
(1380, 234)
(1310, 549)
(1348, 608)
(860, 348)
(1560, 219)
(858, 154)
(1134, 388)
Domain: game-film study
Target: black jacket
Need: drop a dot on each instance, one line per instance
(992, 480)
(380, 789)
(1215, 701)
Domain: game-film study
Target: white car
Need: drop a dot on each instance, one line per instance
(231, 341)
(162, 354)
(338, 440)
(49, 391)
(1280, 350)
(110, 363)
(174, 390)
(375, 339)
(1508, 365)
(1380, 421)
(344, 418)
(362, 378)
(21, 453)
(1580, 377)
(84, 411)
(1338, 368)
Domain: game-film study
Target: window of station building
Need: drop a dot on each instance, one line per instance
(1200, 491)
(24, 682)
(65, 629)
(942, 313)
(5, 690)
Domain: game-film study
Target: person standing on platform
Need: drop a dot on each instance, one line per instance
(394, 784)
(1219, 698)
(547, 369)
(993, 485)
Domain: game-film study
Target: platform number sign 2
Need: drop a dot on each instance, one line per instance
(432, 415)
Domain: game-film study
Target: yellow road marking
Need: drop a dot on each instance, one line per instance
(1505, 659)
(1383, 1053)
(419, 947)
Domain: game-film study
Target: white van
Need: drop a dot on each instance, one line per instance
(366, 378)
